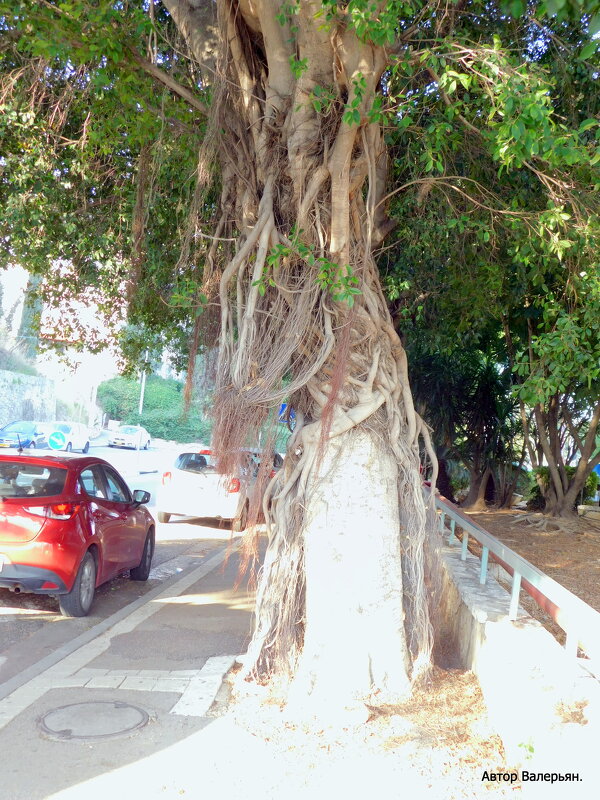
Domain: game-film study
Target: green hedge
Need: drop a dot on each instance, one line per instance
(173, 425)
(162, 416)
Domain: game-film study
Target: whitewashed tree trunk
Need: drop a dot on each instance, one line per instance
(354, 643)
(304, 320)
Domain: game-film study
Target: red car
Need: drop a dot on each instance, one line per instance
(68, 524)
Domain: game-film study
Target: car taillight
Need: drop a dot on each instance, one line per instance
(55, 511)
(234, 485)
(166, 478)
(272, 473)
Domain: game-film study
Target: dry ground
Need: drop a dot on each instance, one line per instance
(437, 745)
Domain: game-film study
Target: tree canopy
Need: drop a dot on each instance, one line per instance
(242, 178)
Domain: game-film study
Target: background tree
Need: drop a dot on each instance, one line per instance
(466, 397)
(291, 183)
(500, 243)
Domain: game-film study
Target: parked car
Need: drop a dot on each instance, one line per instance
(23, 434)
(130, 436)
(68, 524)
(69, 436)
(193, 488)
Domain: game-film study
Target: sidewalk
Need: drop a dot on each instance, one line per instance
(123, 711)
(132, 687)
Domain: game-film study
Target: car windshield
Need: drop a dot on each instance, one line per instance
(128, 429)
(19, 427)
(193, 462)
(62, 427)
(22, 479)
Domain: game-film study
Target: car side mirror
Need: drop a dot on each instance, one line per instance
(140, 497)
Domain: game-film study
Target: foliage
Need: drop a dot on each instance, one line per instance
(498, 221)
(13, 361)
(163, 413)
(465, 395)
(79, 120)
(536, 500)
(173, 425)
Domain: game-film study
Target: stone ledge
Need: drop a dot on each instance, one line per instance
(544, 706)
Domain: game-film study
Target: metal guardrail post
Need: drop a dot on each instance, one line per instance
(465, 545)
(514, 596)
(484, 564)
(452, 538)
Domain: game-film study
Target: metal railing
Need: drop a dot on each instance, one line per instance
(579, 621)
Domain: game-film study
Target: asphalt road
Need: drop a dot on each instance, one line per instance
(31, 625)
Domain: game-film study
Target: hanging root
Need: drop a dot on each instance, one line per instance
(304, 190)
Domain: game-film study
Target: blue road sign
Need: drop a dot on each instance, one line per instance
(57, 440)
(282, 416)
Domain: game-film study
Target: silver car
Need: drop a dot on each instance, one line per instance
(130, 436)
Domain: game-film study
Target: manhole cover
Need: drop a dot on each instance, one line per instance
(92, 721)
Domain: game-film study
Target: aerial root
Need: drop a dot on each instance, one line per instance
(545, 523)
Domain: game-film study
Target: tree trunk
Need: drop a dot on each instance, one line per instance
(304, 320)
(354, 643)
(444, 483)
(475, 500)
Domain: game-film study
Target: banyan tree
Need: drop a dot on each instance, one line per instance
(295, 129)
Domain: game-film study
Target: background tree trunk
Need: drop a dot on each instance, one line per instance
(444, 483)
(475, 500)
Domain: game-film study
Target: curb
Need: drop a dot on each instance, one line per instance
(175, 585)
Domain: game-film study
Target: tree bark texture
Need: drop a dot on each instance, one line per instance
(302, 190)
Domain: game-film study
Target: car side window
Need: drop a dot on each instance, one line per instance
(91, 483)
(118, 491)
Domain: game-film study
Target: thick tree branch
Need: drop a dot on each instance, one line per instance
(162, 77)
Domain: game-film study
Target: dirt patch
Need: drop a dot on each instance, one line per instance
(568, 552)
(437, 744)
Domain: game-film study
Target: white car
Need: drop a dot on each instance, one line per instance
(193, 488)
(69, 436)
(130, 436)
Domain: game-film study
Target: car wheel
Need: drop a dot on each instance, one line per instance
(69, 447)
(147, 445)
(141, 572)
(161, 516)
(240, 523)
(86, 448)
(78, 601)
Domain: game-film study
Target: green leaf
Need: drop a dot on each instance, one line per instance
(594, 25)
(588, 50)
